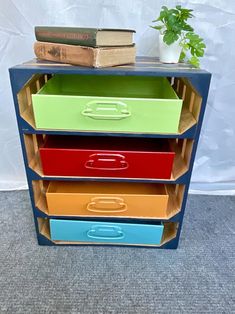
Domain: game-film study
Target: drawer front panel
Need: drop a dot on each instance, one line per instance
(116, 199)
(65, 162)
(107, 114)
(104, 232)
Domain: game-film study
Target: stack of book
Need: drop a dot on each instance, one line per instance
(93, 47)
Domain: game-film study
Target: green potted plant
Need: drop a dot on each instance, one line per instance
(177, 39)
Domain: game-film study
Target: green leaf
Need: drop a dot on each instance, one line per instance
(157, 27)
(187, 27)
(182, 56)
(172, 23)
(196, 44)
(163, 14)
(194, 61)
(184, 46)
(173, 12)
(185, 13)
(170, 37)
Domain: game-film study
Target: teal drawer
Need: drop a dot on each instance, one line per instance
(105, 232)
(107, 103)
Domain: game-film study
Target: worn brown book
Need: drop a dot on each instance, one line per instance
(85, 56)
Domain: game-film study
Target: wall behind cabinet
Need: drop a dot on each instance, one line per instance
(214, 170)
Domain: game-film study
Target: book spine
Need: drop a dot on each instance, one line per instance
(64, 53)
(114, 57)
(71, 37)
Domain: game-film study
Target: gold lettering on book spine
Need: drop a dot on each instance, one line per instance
(61, 35)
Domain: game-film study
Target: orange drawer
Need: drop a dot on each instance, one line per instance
(107, 199)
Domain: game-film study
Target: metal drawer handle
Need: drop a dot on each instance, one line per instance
(106, 110)
(106, 162)
(104, 232)
(107, 205)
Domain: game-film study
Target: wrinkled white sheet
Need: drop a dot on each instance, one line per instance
(214, 170)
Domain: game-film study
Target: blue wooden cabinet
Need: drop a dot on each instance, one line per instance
(191, 87)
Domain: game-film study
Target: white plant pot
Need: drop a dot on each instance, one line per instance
(169, 53)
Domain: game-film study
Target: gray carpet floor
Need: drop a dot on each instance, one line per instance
(199, 277)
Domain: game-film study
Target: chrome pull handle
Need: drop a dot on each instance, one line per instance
(104, 232)
(106, 110)
(106, 162)
(107, 205)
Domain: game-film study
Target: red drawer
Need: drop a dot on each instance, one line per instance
(106, 157)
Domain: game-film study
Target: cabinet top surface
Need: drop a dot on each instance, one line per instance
(148, 66)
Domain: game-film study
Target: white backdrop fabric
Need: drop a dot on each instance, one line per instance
(214, 170)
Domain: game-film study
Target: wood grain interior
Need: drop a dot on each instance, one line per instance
(191, 99)
(169, 233)
(24, 97)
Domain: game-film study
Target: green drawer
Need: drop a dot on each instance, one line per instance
(134, 104)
